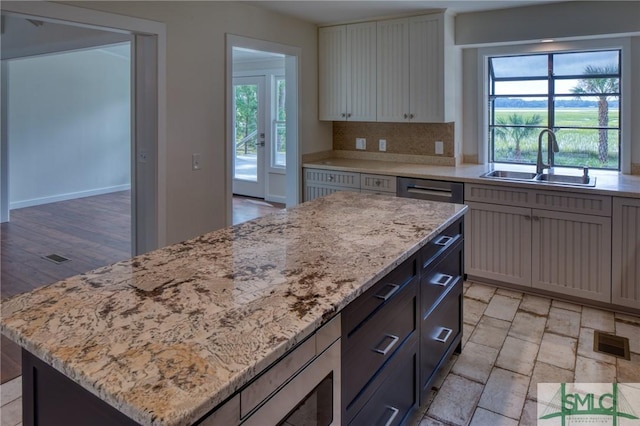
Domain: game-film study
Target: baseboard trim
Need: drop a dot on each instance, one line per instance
(67, 196)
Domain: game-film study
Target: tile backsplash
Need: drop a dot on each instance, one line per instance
(402, 138)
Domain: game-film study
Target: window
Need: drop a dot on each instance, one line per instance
(279, 150)
(576, 94)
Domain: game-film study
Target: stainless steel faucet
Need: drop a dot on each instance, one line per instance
(552, 147)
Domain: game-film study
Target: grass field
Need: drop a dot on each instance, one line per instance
(578, 147)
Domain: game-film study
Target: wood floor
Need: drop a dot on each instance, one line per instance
(91, 232)
(246, 208)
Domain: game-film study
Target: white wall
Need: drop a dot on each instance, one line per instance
(571, 21)
(196, 98)
(69, 125)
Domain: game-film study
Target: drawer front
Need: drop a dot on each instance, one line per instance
(382, 293)
(439, 331)
(375, 342)
(378, 183)
(442, 274)
(599, 205)
(396, 396)
(332, 177)
(441, 243)
(498, 195)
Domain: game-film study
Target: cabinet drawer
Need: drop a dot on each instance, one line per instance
(378, 183)
(332, 178)
(382, 293)
(495, 194)
(439, 330)
(442, 274)
(442, 242)
(397, 394)
(599, 205)
(375, 342)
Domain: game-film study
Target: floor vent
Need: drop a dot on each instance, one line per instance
(612, 345)
(56, 258)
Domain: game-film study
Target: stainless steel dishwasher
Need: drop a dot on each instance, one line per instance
(429, 189)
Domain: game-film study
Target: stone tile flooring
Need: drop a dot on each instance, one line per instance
(511, 342)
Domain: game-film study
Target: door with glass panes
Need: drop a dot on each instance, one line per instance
(248, 142)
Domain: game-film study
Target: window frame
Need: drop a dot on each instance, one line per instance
(274, 167)
(622, 44)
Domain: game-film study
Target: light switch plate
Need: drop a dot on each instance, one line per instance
(382, 145)
(195, 162)
(439, 148)
(361, 143)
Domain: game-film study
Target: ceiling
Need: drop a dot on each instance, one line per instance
(336, 11)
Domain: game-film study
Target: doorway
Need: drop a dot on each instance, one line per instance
(262, 126)
(141, 208)
(249, 136)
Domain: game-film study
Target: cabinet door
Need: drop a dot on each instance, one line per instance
(332, 73)
(626, 252)
(426, 69)
(571, 254)
(498, 243)
(393, 70)
(361, 72)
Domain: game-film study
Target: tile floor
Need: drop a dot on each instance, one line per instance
(511, 341)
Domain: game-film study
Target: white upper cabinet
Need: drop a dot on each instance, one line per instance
(393, 70)
(416, 69)
(347, 72)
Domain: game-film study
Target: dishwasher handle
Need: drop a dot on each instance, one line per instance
(434, 192)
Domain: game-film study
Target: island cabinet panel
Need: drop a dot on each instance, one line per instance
(441, 278)
(398, 334)
(51, 398)
(441, 332)
(376, 329)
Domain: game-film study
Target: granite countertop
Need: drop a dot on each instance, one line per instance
(607, 183)
(166, 336)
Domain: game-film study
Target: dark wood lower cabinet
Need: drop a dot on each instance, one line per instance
(393, 349)
(51, 398)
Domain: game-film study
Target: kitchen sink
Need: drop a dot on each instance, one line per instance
(550, 179)
(507, 174)
(567, 179)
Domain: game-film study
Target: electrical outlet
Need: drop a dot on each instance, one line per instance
(439, 148)
(142, 156)
(361, 143)
(195, 162)
(382, 145)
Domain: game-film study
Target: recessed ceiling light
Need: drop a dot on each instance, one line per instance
(547, 40)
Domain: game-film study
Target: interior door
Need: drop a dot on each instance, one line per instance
(248, 142)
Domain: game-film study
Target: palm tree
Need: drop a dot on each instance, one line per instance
(602, 87)
(522, 130)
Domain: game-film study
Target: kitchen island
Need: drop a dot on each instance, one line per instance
(167, 336)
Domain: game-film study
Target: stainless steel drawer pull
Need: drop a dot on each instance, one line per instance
(394, 413)
(442, 279)
(385, 297)
(443, 240)
(447, 334)
(394, 340)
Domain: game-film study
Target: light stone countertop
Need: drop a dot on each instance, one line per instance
(166, 336)
(607, 183)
